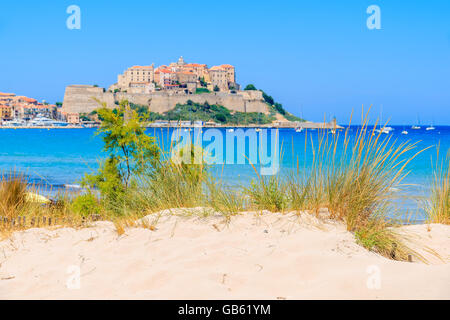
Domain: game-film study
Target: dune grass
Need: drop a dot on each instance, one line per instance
(13, 194)
(353, 177)
(438, 205)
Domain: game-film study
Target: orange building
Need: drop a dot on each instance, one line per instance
(5, 112)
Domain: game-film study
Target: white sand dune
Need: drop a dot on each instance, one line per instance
(268, 256)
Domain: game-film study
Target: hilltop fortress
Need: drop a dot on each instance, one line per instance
(163, 87)
(80, 99)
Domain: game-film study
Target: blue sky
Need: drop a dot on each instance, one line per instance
(316, 57)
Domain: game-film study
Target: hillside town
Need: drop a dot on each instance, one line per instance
(20, 110)
(160, 90)
(179, 76)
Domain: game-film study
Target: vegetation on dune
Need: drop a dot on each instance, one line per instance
(86, 204)
(13, 194)
(268, 194)
(130, 152)
(351, 178)
(438, 205)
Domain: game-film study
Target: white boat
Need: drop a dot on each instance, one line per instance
(41, 121)
(299, 130)
(257, 129)
(417, 126)
(230, 130)
(14, 123)
(385, 130)
(404, 132)
(59, 123)
(430, 128)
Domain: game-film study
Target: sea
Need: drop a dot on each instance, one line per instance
(57, 159)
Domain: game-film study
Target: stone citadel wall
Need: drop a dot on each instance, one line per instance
(80, 98)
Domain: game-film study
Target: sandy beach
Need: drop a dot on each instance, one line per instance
(253, 256)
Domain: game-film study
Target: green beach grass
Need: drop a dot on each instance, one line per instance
(438, 205)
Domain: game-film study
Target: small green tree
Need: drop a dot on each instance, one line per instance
(250, 87)
(268, 99)
(130, 151)
(216, 88)
(203, 82)
(280, 108)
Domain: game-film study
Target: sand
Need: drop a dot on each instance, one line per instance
(253, 256)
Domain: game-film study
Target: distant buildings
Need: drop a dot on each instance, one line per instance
(176, 75)
(20, 107)
(73, 118)
(5, 112)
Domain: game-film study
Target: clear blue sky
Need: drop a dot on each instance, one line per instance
(314, 56)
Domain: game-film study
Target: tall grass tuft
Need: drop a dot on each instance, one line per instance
(438, 206)
(171, 184)
(268, 193)
(13, 194)
(354, 178)
(223, 199)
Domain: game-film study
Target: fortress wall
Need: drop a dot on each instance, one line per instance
(79, 98)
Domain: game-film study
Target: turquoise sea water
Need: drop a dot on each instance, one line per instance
(60, 157)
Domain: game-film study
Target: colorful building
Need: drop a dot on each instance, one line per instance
(138, 79)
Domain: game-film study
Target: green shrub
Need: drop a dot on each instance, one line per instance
(201, 90)
(86, 204)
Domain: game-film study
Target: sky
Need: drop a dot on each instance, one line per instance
(318, 58)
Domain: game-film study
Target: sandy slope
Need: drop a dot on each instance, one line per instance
(267, 257)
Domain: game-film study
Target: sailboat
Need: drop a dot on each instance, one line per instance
(385, 130)
(417, 126)
(430, 128)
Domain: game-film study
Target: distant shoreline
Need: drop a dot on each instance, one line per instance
(304, 125)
